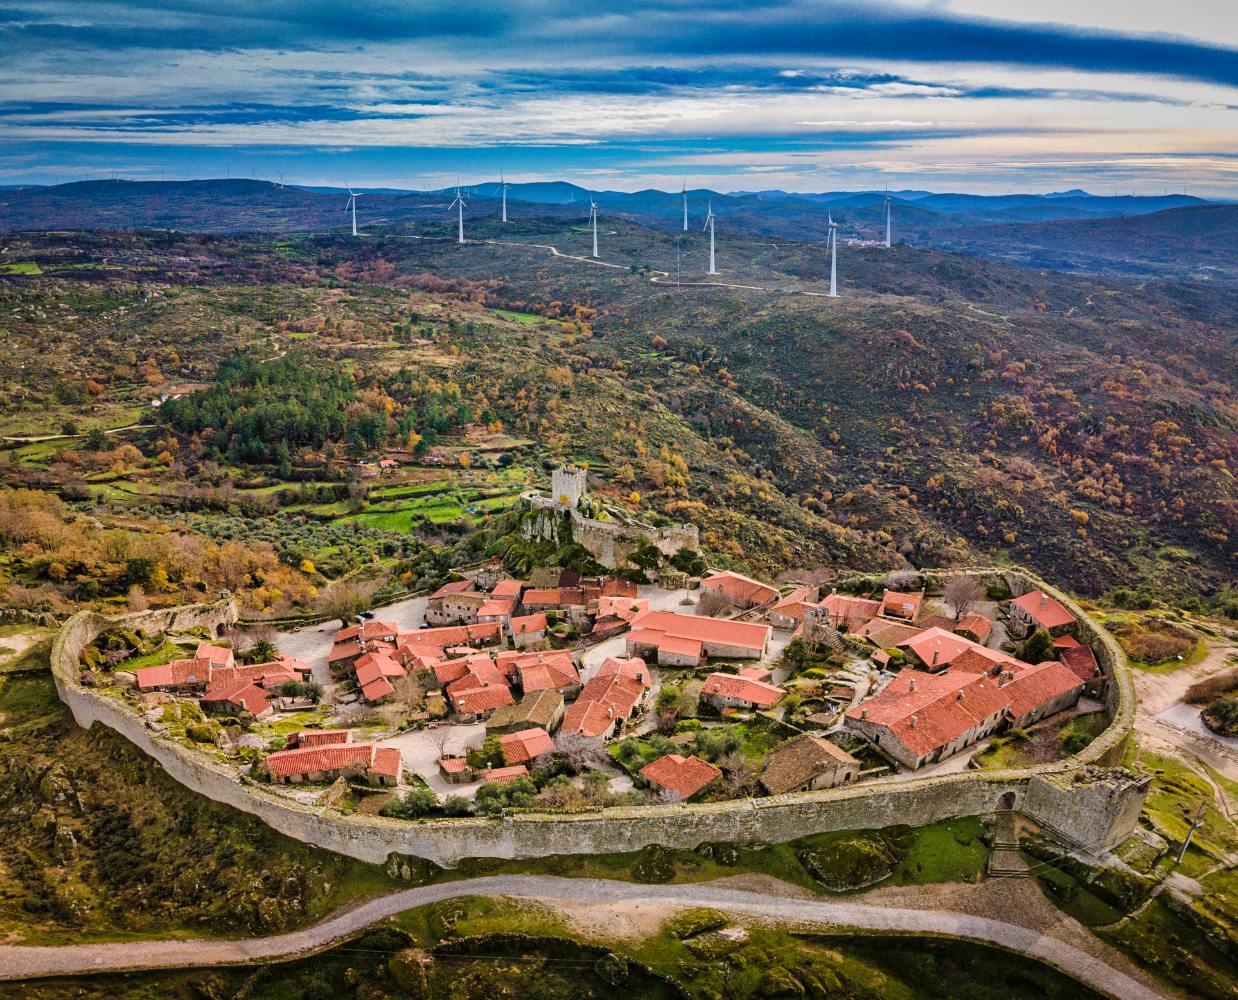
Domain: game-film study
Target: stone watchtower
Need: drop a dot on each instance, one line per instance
(568, 483)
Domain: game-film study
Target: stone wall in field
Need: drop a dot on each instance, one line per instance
(1081, 799)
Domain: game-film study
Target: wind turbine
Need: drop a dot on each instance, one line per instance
(685, 204)
(593, 220)
(709, 224)
(503, 185)
(889, 210)
(832, 242)
(458, 205)
(352, 204)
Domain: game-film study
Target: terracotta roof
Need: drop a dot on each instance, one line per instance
(497, 607)
(175, 673)
(796, 603)
(1065, 642)
(885, 633)
(374, 666)
(322, 737)
(454, 765)
(538, 709)
(550, 672)
(303, 760)
(505, 775)
(1081, 660)
(554, 597)
(1044, 610)
(739, 587)
(525, 745)
(431, 639)
(476, 699)
(525, 624)
(625, 608)
(850, 612)
(508, 588)
(742, 688)
(367, 630)
(243, 694)
(448, 589)
(220, 656)
(617, 586)
(685, 775)
(386, 761)
(747, 635)
(1037, 685)
(925, 710)
(293, 664)
(902, 604)
(799, 761)
(756, 673)
(937, 648)
(978, 625)
(590, 717)
(377, 689)
(680, 646)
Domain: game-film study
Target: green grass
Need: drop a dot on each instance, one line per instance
(529, 319)
(21, 267)
(164, 654)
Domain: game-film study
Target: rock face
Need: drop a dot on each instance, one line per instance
(65, 847)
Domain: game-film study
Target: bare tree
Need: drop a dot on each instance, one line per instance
(347, 599)
(901, 579)
(574, 753)
(963, 592)
(439, 737)
(714, 602)
(737, 774)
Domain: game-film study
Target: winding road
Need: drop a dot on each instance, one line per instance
(21, 962)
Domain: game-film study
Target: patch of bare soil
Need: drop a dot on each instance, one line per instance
(630, 919)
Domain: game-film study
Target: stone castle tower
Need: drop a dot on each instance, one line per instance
(568, 483)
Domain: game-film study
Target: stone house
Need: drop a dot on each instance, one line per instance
(736, 691)
(1038, 610)
(543, 709)
(807, 763)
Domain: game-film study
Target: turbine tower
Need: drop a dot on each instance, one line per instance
(458, 205)
(593, 220)
(503, 185)
(685, 204)
(832, 243)
(889, 209)
(352, 205)
(709, 224)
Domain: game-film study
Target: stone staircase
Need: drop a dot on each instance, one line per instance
(1005, 861)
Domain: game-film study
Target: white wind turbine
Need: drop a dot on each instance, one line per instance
(352, 205)
(889, 209)
(685, 204)
(458, 205)
(593, 221)
(503, 186)
(709, 224)
(832, 243)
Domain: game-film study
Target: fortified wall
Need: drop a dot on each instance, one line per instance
(1082, 801)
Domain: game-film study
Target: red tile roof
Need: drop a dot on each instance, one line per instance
(242, 694)
(525, 745)
(1044, 610)
(925, 711)
(377, 689)
(470, 698)
(554, 597)
(175, 673)
(386, 762)
(757, 673)
(796, 603)
(1034, 686)
(505, 775)
(304, 760)
(978, 625)
(655, 624)
(617, 586)
(1065, 642)
(374, 666)
(885, 633)
(678, 645)
(525, 624)
(436, 640)
(293, 664)
(508, 588)
(547, 670)
(368, 630)
(458, 587)
(625, 608)
(1081, 661)
(453, 765)
(739, 587)
(590, 717)
(850, 612)
(220, 656)
(685, 775)
(936, 648)
(321, 737)
(742, 688)
(901, 604)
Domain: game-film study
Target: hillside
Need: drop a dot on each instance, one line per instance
(944, 410)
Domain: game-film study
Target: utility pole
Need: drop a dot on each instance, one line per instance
(1195, 823)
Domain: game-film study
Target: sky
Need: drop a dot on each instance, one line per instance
(988, 96)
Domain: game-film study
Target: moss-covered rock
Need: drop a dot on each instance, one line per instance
(654, 865)
(850, 862)
(411, 969)
(689, 923)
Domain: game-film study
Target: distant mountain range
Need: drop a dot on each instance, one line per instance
(1071, 230)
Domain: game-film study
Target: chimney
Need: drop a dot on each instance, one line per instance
(960, 694)
(936, 653)
(1044, 599)
(912, 685)
(1005, 678)
(610, 711)
(863, 714)
(913, 722)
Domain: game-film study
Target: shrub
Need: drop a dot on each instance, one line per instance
(1222, 715)
(414, 804)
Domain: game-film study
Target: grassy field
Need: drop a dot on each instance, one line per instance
(21, 267)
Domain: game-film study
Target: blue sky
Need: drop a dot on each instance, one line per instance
(977, 95)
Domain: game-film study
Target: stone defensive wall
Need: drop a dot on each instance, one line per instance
(1083, 800)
